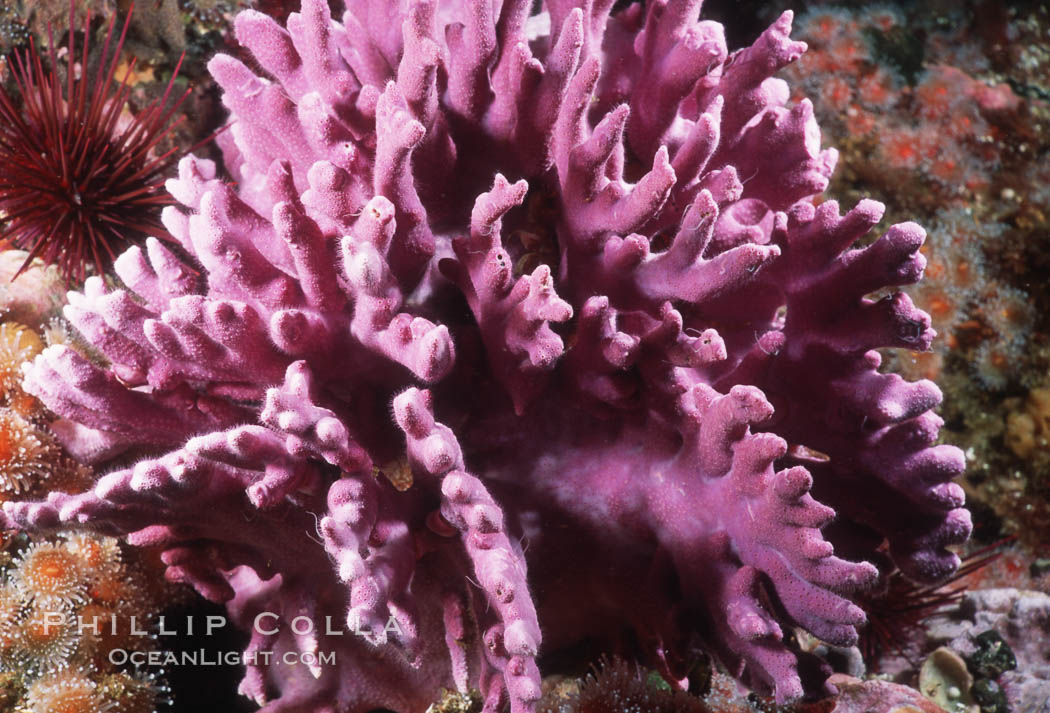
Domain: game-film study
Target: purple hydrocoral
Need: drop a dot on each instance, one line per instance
(617, 410)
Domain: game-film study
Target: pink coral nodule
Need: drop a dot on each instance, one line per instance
(517, 331)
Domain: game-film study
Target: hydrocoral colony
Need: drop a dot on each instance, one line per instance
(609, 421)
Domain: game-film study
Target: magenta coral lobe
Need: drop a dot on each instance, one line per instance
(541, 317)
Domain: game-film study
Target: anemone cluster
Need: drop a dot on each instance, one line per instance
(65, 604)
(940, 116)
(66, 601)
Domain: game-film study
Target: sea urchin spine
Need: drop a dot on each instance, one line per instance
(78, 179)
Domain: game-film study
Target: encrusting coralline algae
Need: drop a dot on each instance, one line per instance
(657, 433)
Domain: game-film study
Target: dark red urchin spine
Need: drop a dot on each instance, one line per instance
(76, 186)
(897, 611)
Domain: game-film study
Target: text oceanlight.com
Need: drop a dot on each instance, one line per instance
(119, 657)
(265, 623)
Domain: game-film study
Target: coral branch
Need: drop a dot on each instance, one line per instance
(649, 352)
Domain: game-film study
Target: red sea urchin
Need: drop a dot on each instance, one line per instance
(898, 608)
(79, 179)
